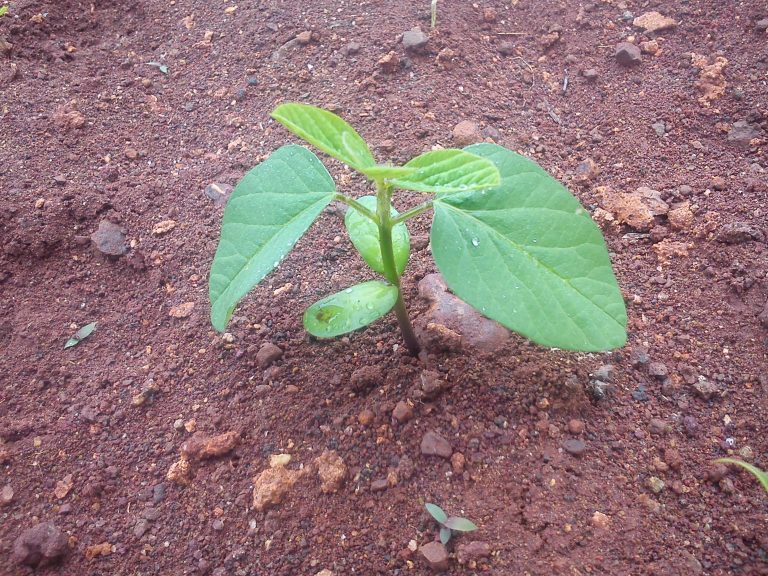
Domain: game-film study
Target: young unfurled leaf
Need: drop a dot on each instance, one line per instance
(436, 512)
(327, 131)
(527, 255)
(387, 172)
(80, 335)
(446, 171)
(445, 535)
(269, 210)
(350, 309)
(365, 236)
(160, 66)
(459, 524)
(761, 475)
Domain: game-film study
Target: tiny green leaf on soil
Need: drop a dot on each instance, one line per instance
(80, 335)
(446, 171)
(436, 512)
(761, 475)
(3, 10)
(268, 211)
(459, 524)
(527, 255)
(327, 131)
(364, 234)
(445, 535)
(350, 309)
(160, 66)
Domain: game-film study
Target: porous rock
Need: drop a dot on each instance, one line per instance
(109, 239)
(272, 486)
(432, 444)
(331, 470)
(40, 545)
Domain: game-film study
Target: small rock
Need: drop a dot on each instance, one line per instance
(379, 485)
(366, 417)
(432, 444)
(366, 378)
(658, 427)
(97, 550)
(63, 487)
(681, 217)
(331, 470)
(389, 63)
(660, 128)
(352, 48)
(658, 370)
(403, 412)
(180, 472)
(628, 54)
(706, 389)
(279, 460)
(181, 310)
(600, 520)
(673, 459)
(202, 447)
(109, 239)
(738, 233)
(727, 486)
(742, 133)
(141, 528)
(6, 495)
(40, 545)
(651, 47)
(304, 37)
(272, 486)
(414, 40)
(746, 453)
(218, 192)
(599, 389)
(762, 25)
(432, 385)
(638, 356)
(131, 153)
(406, 467)
(472, 552)
(435, 555)
(467, 132)
(590, 74)
(218, 525)
(575, 427)
(655, 484)
(268, 354)
(604, 372)
(458, 462)
(325, 572)
(586, 171)
(691, 426)
(574, 446)
(654, 22)
(639, 394)
(489, 15)
(506, 48)
(163, 227)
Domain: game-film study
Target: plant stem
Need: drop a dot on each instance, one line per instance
(385, 223)
(356, 205)
(410, 213)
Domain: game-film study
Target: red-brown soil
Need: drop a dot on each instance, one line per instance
(90, 132)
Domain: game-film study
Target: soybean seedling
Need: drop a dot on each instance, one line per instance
(761, 475)
(507, 238)
(449, 524)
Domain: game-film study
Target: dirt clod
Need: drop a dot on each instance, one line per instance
(40, 545)
(272, 486)
(331, 470)
(433, 444)
(435, 556)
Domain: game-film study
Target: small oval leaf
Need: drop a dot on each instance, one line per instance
(80, 335)
(460, 524)
(436, 512)
(365, 236)
(445, 535)
(449, 170)
(350, 309)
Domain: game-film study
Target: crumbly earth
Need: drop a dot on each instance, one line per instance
(126, 112)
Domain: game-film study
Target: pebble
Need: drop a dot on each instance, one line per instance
(109, 239)
(331, 470)
(639, 394)
(272, 486)
(660, 128)
(575, 426)
(403, 412)
(366, 378)
(600, 520)
(435, 555)
(163, 227)
(604, 373)
(658, 427)
(506, 48)
(414, 40)
(141, 528)
(673, 459)
(472, 552)
(40, 545)
(590, 74)
(638, 356)
(352, 48)
(574, 446)
(467, 132)
(218, 192)
(628, 54)
(654, 22)
(691, 426)
(6, 495)
(705, 389)
(746, 453)
(379, 485)
(432, 385)
(432, 444)
(366, 417)
(268, 354)
(458, 462)
(742, 133)
(655, 484)
(762, 25)
(406, 468)
(390, 62)
(304, 37)
(218, 524)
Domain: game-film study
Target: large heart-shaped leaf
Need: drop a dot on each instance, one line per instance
(445, 171)
(527, 255)
(327, 131)
(365, 236)
(349, 309)
(269, 210)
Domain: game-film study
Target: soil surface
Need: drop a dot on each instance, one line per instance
(117, 116)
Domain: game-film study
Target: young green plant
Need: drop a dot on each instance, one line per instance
(507, 238)
(761, 475)
(449, 524)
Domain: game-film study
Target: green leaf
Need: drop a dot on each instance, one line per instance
(3, 10)
(446, 171)
(436, 512)
(445, 535)
(349, 309)
(327, 131)
(527, 255)
(761, 476)
(267, 213)
(385, 171)
(160, 66)
(460, 524)
(365, 236)
(80, 335)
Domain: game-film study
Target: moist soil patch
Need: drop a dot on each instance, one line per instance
(123, 126)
